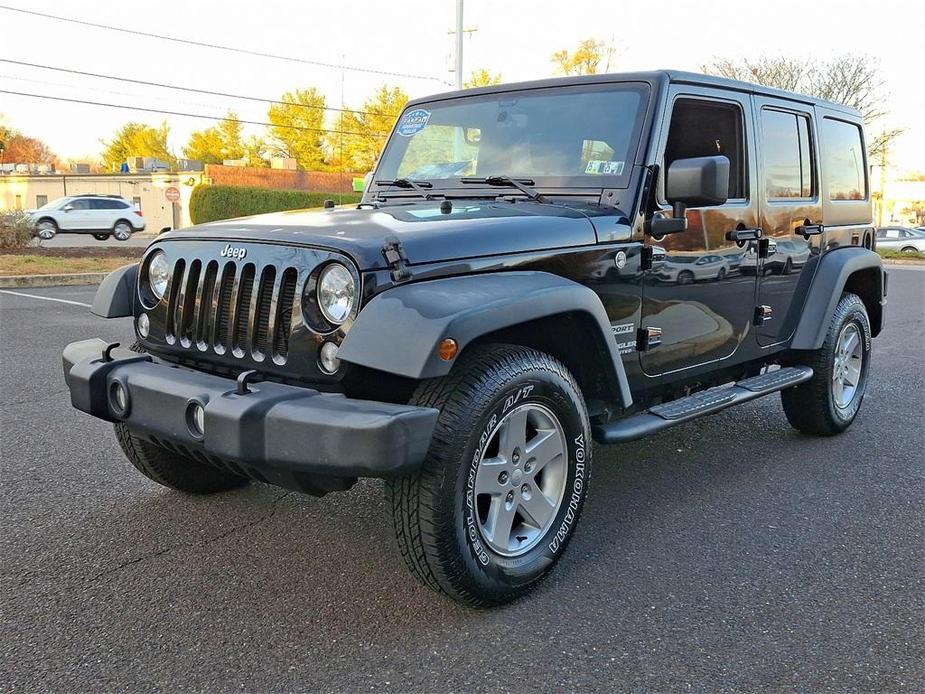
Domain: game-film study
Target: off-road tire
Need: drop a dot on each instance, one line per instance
(810, 407)
(171, 469)
(434, 518)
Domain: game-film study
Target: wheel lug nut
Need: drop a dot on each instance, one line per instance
(510, 496)
(503, 477)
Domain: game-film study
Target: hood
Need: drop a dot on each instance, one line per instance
(471, 229)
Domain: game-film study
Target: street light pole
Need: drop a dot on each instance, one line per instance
(459, 44)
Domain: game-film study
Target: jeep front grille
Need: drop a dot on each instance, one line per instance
(231, 307)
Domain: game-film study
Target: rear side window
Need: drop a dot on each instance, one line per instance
(788, 156)
(843, 150)
(103, 204)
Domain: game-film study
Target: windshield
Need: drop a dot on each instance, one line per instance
(582, 136)
(54, 204)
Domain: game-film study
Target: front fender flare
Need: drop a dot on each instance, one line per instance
(399, 330)
(115, 297)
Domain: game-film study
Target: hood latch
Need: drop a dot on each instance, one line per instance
(394, 255)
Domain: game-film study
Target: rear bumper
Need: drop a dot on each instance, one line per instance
(275, 431)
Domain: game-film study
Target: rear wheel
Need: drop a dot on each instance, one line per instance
(122, 230)
(910, 249)
(828, 403)
(498, 497)
(101, 237)
(173, 470)
(46, 229)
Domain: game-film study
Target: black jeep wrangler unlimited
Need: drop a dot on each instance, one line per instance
(533, 266)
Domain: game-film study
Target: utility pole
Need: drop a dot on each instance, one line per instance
(459, 44)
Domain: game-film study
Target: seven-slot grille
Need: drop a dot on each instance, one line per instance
(231, 307)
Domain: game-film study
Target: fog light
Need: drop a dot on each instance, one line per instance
(118, 398)
(144, 325)
(196, 420)
(328, 358)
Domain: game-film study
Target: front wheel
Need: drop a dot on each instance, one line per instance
(171, 469)
(828, 403)
(46, 229)
(909, 250)
(499, 494)
(122, 231)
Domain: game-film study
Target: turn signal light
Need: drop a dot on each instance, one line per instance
(447, 349)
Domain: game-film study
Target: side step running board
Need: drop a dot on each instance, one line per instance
(699, 404)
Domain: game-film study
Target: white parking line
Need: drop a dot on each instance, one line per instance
(45, 298)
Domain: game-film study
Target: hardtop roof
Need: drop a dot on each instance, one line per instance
(656, 78)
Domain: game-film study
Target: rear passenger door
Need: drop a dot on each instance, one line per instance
(791, 214)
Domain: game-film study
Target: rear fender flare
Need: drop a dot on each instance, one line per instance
(834, 276)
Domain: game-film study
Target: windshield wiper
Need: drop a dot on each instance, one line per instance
(419, 186)
(521, 184)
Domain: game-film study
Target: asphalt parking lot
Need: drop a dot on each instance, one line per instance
(728, 554)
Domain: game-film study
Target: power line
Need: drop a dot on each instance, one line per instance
(378, 133)
(190, 89)
(216, 46)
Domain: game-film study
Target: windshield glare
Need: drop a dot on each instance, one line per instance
(581, 136)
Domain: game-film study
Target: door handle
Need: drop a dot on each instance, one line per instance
(808, 230)
(739, 235)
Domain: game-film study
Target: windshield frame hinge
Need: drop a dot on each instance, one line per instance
(395, 258)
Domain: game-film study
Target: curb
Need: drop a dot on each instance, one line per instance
(908, 263)
(14, 281)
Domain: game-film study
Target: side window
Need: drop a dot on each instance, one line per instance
(843, 149)
(787, 154)
(80, 204)
(705, 129)
(97, 204)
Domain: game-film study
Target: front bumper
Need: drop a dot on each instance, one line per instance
(275, 432)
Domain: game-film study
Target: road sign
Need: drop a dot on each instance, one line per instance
(172, 194)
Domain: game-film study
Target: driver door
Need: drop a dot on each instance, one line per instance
(697, 306)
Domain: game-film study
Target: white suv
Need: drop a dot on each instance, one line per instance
(100, 215)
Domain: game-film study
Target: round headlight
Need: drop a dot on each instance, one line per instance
(158, 273)
(336, 293)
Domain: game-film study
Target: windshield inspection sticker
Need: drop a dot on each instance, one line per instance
(601, 167)
(413, 122)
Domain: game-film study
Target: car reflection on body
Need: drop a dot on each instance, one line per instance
(783, 258)
(686, 269)
(901, 239)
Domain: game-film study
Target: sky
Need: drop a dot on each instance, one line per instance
(412, 37)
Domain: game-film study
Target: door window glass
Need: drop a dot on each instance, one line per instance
(80, 204)
(787, 155)
(707, 129)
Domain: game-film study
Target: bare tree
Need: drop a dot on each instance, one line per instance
(852, 80)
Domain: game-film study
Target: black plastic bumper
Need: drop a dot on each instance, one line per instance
(274, 428)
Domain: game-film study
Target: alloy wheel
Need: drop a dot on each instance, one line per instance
(847, 366)
(521, 478)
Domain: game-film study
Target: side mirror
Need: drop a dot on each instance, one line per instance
(68, 208)
(698, 182)
(694, 182)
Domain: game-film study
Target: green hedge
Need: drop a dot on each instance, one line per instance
(210, 203)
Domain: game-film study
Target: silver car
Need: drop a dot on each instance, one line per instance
(901, 239)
